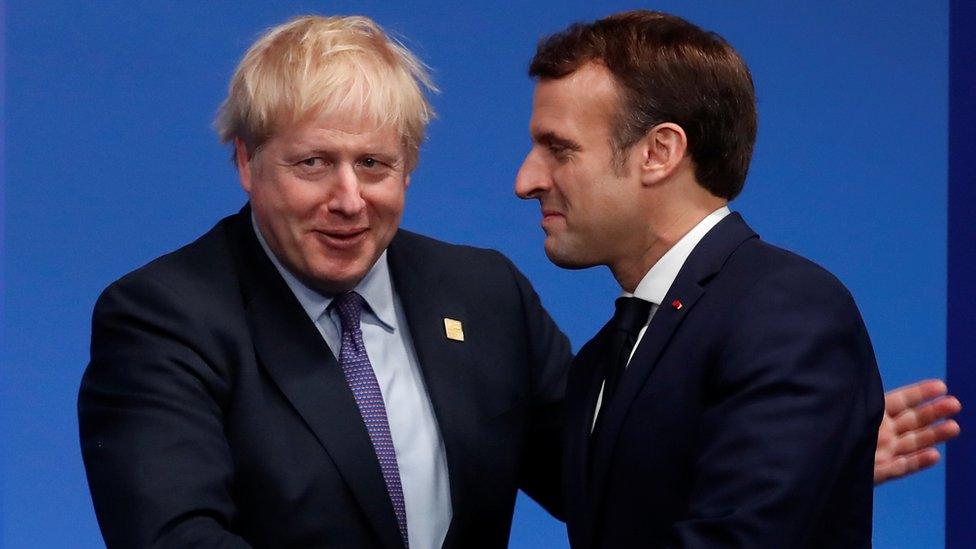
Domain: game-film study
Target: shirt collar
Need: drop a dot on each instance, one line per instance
(376, 288)
(656, 283)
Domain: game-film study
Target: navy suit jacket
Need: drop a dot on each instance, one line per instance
(213, 414)
(748, 417)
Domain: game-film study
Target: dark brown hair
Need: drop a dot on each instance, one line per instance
(668, 70)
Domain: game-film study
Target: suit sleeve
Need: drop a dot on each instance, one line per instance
(150, 420)
(793, 408)
(549, 358)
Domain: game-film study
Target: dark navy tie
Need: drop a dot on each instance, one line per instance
(366, 390)
(628, 319)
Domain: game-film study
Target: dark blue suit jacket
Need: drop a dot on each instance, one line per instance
(746, 418)
(213, 414)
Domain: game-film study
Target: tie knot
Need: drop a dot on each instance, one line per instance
(349, 305)
(631, 314)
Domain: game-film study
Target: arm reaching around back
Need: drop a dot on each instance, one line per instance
(916, 418)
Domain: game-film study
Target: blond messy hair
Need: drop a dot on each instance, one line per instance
(316, 66)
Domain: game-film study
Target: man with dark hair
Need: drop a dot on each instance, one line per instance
(733, 399)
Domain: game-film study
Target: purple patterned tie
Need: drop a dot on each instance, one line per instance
(366, 390)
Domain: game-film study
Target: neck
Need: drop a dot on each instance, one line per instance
(669, 225)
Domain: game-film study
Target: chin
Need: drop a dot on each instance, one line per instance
(566, 259)
(336, 281)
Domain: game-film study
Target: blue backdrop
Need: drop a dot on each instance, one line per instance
(110, 161)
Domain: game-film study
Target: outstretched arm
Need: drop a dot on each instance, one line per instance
(150, 417)
(916, 418)
(549, 358)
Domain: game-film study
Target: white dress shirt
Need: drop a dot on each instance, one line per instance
(421, 458)
(658, 280)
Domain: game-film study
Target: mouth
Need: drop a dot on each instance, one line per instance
(342, 238)
(551, 216)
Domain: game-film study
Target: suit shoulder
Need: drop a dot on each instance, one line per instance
(446, 254)
(200, 270)
(772, 264)
(187, 303)
(480, 276)
(783, 305)
(772, 291)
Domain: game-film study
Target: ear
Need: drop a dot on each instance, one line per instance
(663, 152)
(406, 181)
(243, 159)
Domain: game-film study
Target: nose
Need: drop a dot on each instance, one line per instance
(346, 198)
(532, 179)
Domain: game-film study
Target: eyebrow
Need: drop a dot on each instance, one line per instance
(369, 149)
(550, 138)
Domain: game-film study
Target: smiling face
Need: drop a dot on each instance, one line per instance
(327, 195)
(591, 210)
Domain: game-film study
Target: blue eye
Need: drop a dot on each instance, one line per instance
(369, 162)
(310, 162)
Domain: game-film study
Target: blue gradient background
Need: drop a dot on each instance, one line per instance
(110, 161)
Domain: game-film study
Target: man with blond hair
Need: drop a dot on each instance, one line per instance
(306, 374)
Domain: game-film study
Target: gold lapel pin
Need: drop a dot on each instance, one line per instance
(453, 329)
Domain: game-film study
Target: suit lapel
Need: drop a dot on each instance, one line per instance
(689, 286)
(308, 374)
(426, 303)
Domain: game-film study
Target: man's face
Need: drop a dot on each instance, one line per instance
(327, 195)
(590, 210)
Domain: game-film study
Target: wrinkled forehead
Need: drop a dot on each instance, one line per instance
(339, 132)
